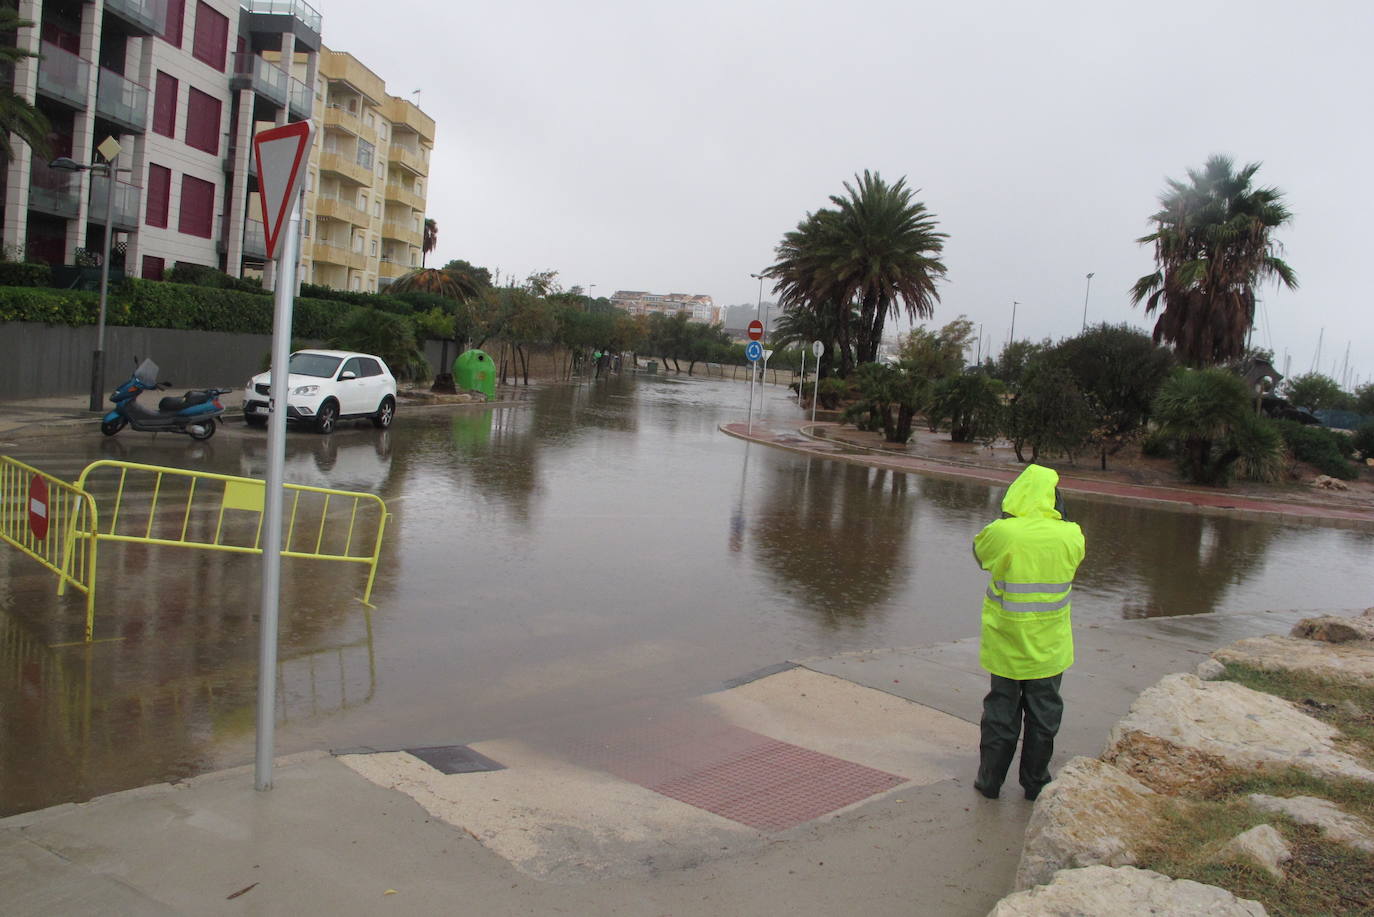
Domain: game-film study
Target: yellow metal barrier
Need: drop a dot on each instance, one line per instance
(54, 523)
(220, 512)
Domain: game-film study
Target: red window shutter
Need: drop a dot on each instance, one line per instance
(212, 36)
(202, 121)
(176, 22)
(165, 105)
(159, 195)
(153, 267)
(197, 215)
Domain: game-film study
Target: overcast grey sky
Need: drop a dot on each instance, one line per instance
(667, 147)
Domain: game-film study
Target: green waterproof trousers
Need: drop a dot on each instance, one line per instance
(1010, 703)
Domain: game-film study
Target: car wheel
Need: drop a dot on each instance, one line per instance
(385, 414)
(111, 427)
(255, 420)
(201, 429)
(326, 417)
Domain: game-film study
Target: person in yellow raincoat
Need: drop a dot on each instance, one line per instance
(1031, 554)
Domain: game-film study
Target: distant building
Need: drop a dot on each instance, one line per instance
(699, 307)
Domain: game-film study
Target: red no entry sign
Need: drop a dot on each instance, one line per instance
(38, 507)
(755, 330)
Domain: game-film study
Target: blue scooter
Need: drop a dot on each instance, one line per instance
(192, 413)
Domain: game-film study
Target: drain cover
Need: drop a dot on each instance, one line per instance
(455, 759)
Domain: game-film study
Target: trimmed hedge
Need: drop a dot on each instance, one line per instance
(154, 304)
(23, 274)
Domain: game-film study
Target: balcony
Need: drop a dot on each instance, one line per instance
(340, 118)
(345, 166)
(143, 17)
(390, 269)
(231, 154)
(294, 16)
(402, 194)
(62, 76)
(406, 116)
(128, 203)
(301, 100)
(260, 75)
(326, 253)
(413, 160)
(342, 67)
(122, 101)
(254, 239)
(54, 192)
(337, 208)
(401, 232)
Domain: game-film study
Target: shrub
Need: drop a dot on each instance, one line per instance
(1363, 440)
(1205, 412)
(390, 337)
(972, 405)
(1324, 449)
(199, 275)
(1049, 413)
(1260, 445)
(23, 274)
(832, 389)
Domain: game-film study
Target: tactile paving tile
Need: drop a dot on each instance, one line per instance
(738, 774)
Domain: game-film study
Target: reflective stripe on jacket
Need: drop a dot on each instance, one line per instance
(1032, 557)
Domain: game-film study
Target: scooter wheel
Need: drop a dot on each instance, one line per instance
(202, 429)
(111, 427)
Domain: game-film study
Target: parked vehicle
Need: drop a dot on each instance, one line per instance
(326, 386)
(192, 413)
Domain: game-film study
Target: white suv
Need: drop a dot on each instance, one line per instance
(325, 386)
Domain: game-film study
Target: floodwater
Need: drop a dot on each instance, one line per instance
(589, 547)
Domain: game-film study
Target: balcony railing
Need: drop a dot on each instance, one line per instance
(338, 208)
(402, 231)
(336, 254)
(53, 191)
(63, 76)
(346, 165)
(122, 101)
(260, 75)
(148, 17)
(254, 239)
(128, 201)
(294, 8)
(300, 100)
(410, 159)
(395, 191)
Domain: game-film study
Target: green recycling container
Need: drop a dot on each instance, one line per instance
(474, 371)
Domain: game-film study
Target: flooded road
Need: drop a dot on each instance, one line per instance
(593, 546)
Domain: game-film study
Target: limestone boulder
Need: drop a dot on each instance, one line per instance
(1226, 724)
(1261, 845)
(1351, 662)
(1105, 891)
(1325, 816)
(1337, 628)
(1087, 816)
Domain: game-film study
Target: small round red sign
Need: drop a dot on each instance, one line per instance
(38, 507)
(755, 330)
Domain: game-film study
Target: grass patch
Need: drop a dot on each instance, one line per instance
(1348, 707)
(1322, 878)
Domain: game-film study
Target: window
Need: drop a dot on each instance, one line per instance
(165, 105)
(365, 151)
(371, 120)
(363, 205)
(369, 367)
(197, 216)
(377, 210)
(419, 188)
(357, 283)
(176, 22)
(358, 242)
(305, 228)
(212, 36)
(159, 195)
(374, 248)
(153, 267)
(202, 121)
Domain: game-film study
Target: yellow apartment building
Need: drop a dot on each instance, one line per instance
(369, 173)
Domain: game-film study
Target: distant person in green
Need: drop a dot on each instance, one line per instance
(1032, 554)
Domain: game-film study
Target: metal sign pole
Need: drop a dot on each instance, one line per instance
(802, 384)
(284, 303)
(818, 349)
(751, 397)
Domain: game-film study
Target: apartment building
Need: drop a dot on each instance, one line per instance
(182, 86)
(699, 307)
(365, 199)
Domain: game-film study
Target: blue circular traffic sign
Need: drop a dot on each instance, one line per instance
(754, 351)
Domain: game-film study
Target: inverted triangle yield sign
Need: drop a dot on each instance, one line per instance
(281, 153)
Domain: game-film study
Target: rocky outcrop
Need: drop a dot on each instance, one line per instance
(1086, 817)
(1335, 661)
(1262, 846)
(1104, 891)
(1231, 724)
(1336, 629)
(1327, 817)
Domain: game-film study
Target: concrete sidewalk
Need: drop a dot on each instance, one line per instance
(557, 832)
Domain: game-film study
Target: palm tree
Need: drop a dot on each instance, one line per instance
(1213, 245)
(430, 240)
(18, 116)
(433, 280)
(876, 250)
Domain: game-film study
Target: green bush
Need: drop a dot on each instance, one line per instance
(24, 274)
(200, 275)
(832, 389)
(1260, 445)
(391, 337)
(1363, 440)
(1325, 449)
(1207, 412)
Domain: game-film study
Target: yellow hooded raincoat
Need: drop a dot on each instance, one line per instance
(1032, 557)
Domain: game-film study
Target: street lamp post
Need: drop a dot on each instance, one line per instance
(110, 150)
(758, 313)
(1088, 286)
(1011, 336)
